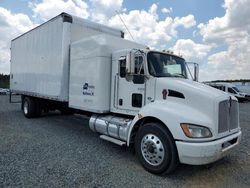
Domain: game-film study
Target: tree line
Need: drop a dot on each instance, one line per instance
(4, 81)
(239, 80)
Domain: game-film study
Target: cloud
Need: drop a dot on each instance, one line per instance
(234, 25)
(153, 11)
(230, 64)
(146, 27)
(190, 50)
(47, 9)
(102, 10)
(187, 21)
(11, 25)
(21, 22)
(231, 30)
(166, 10)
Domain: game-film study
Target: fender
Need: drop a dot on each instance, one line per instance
(172, 113)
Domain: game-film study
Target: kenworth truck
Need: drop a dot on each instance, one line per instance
(134, 96)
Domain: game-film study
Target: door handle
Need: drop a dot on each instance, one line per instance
(120, 102)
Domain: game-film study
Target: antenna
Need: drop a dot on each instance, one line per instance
(125, 25)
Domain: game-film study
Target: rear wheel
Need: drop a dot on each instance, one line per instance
(38, 107)
(156, 149)
(29, 107)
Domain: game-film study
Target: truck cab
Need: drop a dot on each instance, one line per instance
(136, 74)
(169, 117)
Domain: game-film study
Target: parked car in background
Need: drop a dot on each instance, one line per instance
(4, 91)
(231, 89)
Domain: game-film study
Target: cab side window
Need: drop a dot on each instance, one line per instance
(139, 69)
(122, 68)
(138, 77)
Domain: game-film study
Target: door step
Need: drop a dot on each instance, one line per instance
(113, 140)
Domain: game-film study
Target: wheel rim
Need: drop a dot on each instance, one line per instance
(25, 107)
(152, 149)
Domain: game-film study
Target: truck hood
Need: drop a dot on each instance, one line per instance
(198, 99)
(189, 88)
(190, 102)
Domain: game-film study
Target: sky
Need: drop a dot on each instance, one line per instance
(213, 33)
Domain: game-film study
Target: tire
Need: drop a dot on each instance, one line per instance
(240, 100)
(155, 148)
(29, 107)
(38, 108)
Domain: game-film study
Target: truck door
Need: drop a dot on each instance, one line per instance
(131, 88)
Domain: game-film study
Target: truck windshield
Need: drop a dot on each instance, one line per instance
(165, 65)
(236, 89)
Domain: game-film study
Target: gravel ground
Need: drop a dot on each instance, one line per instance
(61, 151)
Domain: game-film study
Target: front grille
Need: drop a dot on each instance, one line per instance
(228, 115)
(234, 115)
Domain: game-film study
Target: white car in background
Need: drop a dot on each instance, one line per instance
(4, 91)
(231, 89)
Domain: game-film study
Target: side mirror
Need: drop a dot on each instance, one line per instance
(196, 72)
(195, 69)
(130, 63)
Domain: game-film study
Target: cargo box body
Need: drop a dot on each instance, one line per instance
(40, 58)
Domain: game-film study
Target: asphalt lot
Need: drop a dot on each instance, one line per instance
(61, 151)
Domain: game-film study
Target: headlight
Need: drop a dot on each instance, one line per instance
(195, 131)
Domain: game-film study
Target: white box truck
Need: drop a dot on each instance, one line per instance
(133, 95)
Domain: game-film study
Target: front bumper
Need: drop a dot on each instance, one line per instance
(206, 152)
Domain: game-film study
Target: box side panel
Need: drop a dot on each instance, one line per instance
(82, 28)
(38, 62)
(90, 84)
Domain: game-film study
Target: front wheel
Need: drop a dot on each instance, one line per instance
(156, 149)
